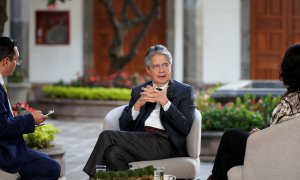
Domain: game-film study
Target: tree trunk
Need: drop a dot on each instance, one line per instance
(122, 25)
(3, 15)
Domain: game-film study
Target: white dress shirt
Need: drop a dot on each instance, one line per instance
(154, 118)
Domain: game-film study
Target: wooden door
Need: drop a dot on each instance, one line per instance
(275, 25)
(103, 32)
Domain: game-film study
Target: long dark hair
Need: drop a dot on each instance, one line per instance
(290, 68)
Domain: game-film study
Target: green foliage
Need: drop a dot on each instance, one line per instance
(86, 93)
(42, 136)
(145, 172)
(245, 113)
(205, 101)
(231, 116)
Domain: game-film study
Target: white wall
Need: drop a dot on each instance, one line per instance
(221, 41)
(51, 63)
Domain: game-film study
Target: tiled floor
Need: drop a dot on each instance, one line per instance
(79, 137)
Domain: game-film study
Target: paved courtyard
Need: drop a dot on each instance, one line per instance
(79, 136)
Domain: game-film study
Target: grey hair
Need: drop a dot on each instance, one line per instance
(157, 49)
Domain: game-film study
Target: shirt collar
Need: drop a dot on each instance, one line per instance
(1, 79)
(162, 87)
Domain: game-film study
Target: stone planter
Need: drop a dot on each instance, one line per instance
(57, 152)
(209, 144)
(18, 92)
(69, 108)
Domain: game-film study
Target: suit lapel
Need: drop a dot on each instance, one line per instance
(146, 110)
(171, 91)
(8, 103)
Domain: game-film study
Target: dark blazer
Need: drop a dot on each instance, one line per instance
(13, 151)
(177, 121)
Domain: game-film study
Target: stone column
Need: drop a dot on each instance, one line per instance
(174, 36)
(192, 39)
(245, 23)
(88, 49)
(178, 64)
(193, 42)
(19, 28)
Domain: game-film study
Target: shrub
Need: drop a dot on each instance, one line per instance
(42, 137)
(145, 173)
(245, 112)
(87, 93)
(230, 116)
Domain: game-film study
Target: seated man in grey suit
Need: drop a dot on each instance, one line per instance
(154, 125)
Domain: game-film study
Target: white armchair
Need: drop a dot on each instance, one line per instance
(7, 176)
(271, 154)
(181, 167)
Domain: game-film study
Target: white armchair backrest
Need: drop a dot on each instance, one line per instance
(273, 153)
(193, 140)
(111, 120)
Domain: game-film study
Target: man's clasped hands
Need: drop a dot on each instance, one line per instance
(151, 94)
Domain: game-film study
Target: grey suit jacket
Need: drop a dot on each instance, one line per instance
(177, 120)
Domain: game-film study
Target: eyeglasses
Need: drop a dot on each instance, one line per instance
(165, 66)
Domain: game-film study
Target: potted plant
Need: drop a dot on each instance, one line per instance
(42, 138)
(17, 86)
(145, 173)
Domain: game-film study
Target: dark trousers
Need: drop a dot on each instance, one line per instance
(231, 152)
(116, 149)
(39, 166)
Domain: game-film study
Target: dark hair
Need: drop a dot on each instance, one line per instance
(157, 49)
(7, 47)
(290, 68)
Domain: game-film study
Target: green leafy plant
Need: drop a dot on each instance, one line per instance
(231, 116)
(245, 112)
(42, 137)
(87, 93)
(145, 173)
(91, 86)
